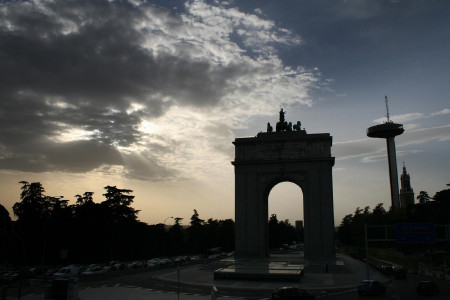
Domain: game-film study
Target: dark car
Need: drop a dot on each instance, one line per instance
(371, 287)
(8, 278)
(291, 293)
(427, 288)
(388, 270)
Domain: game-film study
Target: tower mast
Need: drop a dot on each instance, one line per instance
(387, 108)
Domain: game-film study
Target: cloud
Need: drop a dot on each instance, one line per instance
(145, 167)
(375, 149)
(403, 118)
(117, 85)
(374, 158)
(75, 156)
(425, 135)
(445, 111)
(354, 9)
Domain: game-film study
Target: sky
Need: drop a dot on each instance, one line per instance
(150, 95)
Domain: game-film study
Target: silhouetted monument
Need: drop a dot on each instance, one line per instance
(289, 154)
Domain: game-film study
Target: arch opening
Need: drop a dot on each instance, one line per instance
(285, 216)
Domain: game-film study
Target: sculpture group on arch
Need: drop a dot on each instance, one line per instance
(283, 125)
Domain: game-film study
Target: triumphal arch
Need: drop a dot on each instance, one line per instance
(285, 154)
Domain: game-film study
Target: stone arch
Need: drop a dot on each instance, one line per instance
(268, 159)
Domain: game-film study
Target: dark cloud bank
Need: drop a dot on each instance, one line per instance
(80, 64)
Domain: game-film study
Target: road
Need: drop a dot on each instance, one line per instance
(396, 288)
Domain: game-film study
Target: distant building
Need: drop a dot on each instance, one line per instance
(406, 192)
(299, 225)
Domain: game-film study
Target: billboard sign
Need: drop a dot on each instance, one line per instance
(415, 233)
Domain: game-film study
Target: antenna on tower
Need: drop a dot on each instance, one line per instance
(387, 108)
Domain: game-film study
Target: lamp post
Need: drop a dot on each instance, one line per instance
(164, 234)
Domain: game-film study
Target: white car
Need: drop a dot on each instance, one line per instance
(69, 271)
(96, 269)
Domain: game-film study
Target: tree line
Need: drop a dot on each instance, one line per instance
(428, 210)
(49, 230)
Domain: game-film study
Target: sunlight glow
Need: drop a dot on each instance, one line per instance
(75, 134)
(148, 127)
(286, 201)
(134, 107)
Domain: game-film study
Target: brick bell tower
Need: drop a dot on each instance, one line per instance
(406, 192)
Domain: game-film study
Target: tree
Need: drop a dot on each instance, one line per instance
(281, 232)
(287, 232)
(345, 229)
(378, 214)
(423, 197)
(34, 213)
(274, 237)
(442, 206)
(351, 230)
(118, 202)
(85, 199)
(212, 233)
(195, 220)
(226, 234)
(176, 240)
(5, 219)
(442, 197)
(5, 233)
(33, 205)
(196, 234)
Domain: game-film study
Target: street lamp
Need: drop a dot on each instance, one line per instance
(164, 234)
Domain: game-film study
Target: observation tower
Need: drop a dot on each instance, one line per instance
(389, 130)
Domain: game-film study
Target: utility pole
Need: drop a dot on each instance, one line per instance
(367, 251)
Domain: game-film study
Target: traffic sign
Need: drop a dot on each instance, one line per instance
(415, 233)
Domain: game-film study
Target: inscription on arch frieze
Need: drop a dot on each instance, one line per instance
(287, 151)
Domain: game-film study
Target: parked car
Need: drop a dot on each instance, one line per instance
(291, 293)
(93, 269)
(119, 266)
(69, 271)
(388, 270)
(179, 259)
(9, 277)
(135, 264)
(50, 272)
(427, 287)
(151, 263)
(371, 287)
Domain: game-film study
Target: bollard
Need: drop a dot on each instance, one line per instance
(214, 291)
(72, 289)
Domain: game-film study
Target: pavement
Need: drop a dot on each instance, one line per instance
(345, 273)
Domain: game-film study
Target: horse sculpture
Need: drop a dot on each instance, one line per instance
(282, 125)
